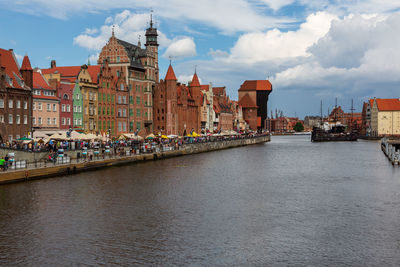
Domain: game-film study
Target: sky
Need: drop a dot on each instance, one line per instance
(310, 50)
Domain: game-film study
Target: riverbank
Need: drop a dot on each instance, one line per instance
(66, 169)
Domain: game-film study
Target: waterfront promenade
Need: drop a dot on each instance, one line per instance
(36, 170)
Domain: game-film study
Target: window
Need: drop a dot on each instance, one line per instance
(34, 120)
(131, 99)
(138, 113)
(1, 103)
(18, 119)
(39, 106)
(48, 107)
(10, 119)
(124, 124)
(55, 121)
(65, 96)
(54, 107)
(25, 119)
(1, 118)
(75, 109)
(118, 59)
(131, 112)
(124, 99)
(25, 104)
(18, 104)
(77, 96)
(124, 112)
(63, 107)
(68, 121)
(63, 121)
(68, 108)
(122, 87)
(119, 99)
(75, 122)
(10, 103)
(138, 100)
(138, 126)
(40, 120)
(120, 126)
(48, 121)
(118, 73)
(119, 112)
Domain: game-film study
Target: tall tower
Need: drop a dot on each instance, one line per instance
(152, 46)
(27, 71)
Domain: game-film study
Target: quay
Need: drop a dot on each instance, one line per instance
(31, 173)
(391, 149)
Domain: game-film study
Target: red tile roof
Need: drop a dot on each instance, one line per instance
(195, 81)
(94, 70)
(204, 87)
(258, 85)
(247, 102)
(39, 82)
(388, 104)
(71, 71)
(170, 74)
(9, 62)
(26, 64)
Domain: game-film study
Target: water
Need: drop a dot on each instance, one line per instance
(285, 203)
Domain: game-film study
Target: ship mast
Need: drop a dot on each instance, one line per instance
(352, 111)
(321, 115)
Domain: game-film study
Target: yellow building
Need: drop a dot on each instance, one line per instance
(87, 79)
(385, 117)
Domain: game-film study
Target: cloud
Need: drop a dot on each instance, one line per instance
(238, 15)
(275, 44)
(359, 56)
(128, 26)
(181, 48)
(217, 53)
(277, 4)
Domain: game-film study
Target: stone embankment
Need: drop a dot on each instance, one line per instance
(65, 169)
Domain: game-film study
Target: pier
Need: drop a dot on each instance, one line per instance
(391, 149)
(75, 166)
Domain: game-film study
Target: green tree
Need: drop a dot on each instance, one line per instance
(298, 127)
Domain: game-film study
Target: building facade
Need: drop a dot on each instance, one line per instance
(253, 98)
(15, 97)
(46, 104)
(385, 117)
(65, 94)
(77, 108)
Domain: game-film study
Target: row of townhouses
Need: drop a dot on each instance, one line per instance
(121, 94)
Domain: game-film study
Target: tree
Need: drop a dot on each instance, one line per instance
(298, 127)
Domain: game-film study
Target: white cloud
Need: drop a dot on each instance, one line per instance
(217, 53)
(181, 48)
(275, 44)
(277, 4)
(127, 26)
(225, 15)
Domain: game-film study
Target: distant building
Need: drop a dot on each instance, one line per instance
(385, 117)
(352, 120)
(15, 97)
(311, 121)
(253, 98)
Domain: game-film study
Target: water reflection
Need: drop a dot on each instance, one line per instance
(288, 202)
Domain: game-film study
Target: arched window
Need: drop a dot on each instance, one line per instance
(65, 96)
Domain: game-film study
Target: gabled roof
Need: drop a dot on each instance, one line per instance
(39, 82)
(71, 71)
(170, 74)
(195, 81)
(204, 87)
(247, 102)
(26, 63)
(94, 71)
(256, 85)
(134, 53)
(12, 73)
(388, 104)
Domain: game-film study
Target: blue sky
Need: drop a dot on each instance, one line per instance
(310, 50)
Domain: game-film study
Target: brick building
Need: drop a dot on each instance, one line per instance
(106, 101)
(253, 98)
(140, 68)
(65, 94)
(15, 97)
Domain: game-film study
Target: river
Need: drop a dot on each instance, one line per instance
(289, 202)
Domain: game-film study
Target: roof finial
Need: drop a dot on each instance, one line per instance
(170, 60)
(113, 30)
(151, 18)
(195, 69)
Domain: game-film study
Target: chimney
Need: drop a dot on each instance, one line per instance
(53, 64)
